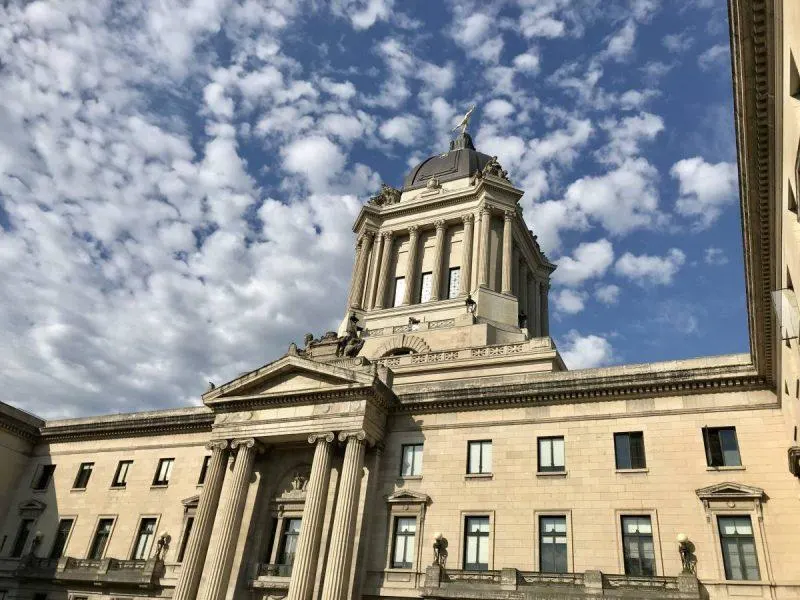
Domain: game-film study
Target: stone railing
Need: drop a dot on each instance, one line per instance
(421, 326)
(511, 584)
(272, 577)
(533, 346)
(139, 573)
(265, 570)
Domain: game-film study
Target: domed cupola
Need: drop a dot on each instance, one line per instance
(462, 160)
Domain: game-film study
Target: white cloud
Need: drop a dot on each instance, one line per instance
(498, 109)
(715, 256)
(586, 351)
(626, 135)
(363, 14)
(705, 189)
(607, 294)
(715, 57)
(677, 42)
(588, 260)
(404, 129)
(476, 33)
(569, 301)
(344, 89)
(527, 62)
(620, 45)
(315, 157)
(650, 270)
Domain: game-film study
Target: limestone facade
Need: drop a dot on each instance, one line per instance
(440, 413)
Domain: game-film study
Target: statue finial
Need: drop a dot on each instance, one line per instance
(465, 121)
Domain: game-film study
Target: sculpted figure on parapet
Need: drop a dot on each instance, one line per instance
(387, 195)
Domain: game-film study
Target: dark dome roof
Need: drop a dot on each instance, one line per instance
(461, 161)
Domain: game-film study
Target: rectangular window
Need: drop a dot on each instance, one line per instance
(479, 457)
(291, 532)
(637, 546)
(187, 531)
(454, 282)
(412, 460)
(164, 471)
(476, 544)
(98, 547)
(82, 478)
(22, 538)
(399, 290)
(62, 535)
(738, 548)
(551, 454)
(40, 596)
(722, 447)
(629, 450)
(405, 531)
(144, 539)
(426, 287)
(553, 544)
(203, 470)
(43, 477)
(121, 475)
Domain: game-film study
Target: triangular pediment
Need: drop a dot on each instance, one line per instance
(191, 501)
(291, 375)
(32, 506)
(407, 497)
(729, 490)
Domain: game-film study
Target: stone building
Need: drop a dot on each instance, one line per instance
(436, 446)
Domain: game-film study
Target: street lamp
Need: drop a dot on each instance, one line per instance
(686, 550)
(471, 304)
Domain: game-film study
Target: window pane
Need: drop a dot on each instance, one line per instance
(60, 543)
(399, 290)
(474, 457)
(408, 460)
(545, 453)
(637, 450)
(426, 287)
(558, 452)
(399, 550)
(185, 541)
(455, 282)
(486, 463)
(729, 447)
(472, 549)
(418, 459)
(553, 544)
(406, 524)
(622, 450)
(483, 550)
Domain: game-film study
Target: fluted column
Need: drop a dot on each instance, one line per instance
(337, 572)
(373, 278)
(544, 287)
(229, 519)
(357, 291)
(411, 264)
(486, 221)
(383, 277)
(301, 585)
(507, 252)
(522, 292)
(466, 255)
(438, 258)
(535, 312)
(196, 549)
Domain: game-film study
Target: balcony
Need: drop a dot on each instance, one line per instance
(109, 571)
(272, 577)
(508, 584)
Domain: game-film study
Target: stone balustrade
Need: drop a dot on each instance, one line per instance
(108, 571)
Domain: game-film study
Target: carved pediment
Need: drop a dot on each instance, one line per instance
(726, 490)
(291, 375)
(407, 497)
(191, 501)
(32, 508)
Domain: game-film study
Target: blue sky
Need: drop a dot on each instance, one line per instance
(178, 179)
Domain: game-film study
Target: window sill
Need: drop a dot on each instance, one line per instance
(478, 475)
(744, 582)
(159, 486)
(118, 487)
(83, 489)
(737, 468)
(399, 570)
(551, 473)
(410, 477)
(644, 470)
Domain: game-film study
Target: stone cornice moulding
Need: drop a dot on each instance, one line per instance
(129, 426)
(379, 394)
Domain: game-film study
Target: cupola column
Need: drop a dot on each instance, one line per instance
(466, 255)
(486, 221)
(522, 292)
(383, 277)
(357, 291)
(508, 224)
(411, 265)
(544, 288)
(438, 258)
(376, 268)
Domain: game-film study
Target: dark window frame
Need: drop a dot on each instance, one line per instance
(479, 535)
(96, 549)
(714, 446)
(450, 272)
(187, 531)
(405, 535)
(422, 285)
(43, 477)
(115, 482)
(61, 538)
(413, 462)
(140, 533)
(157, 480)
(21, 539)
(283, 558)
(395, 301)
(83, 476)
(738, 538)
(201, 480)
(637, 569)
(542, 534)
(553, 468)
(480, 471)
(633, 442)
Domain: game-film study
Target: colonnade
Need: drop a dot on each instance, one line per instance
(372, 276)
(211, 566)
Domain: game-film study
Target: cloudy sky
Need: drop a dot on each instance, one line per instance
(178, 179)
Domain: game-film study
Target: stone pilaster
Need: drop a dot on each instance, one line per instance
(508, 225)
(195, 554)
(438, 259)
(544, 288)
(357, 291)
(383, 277)
(466, 255)
(301, 586)
(337, 573)
(229, 519)
(522, 292)
(411, 265)
(376, 266)
(536, 312)
(486, 222)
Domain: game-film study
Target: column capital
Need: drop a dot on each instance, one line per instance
(486, 210)
(364, 235)
(440, 224)
(345, 436)
(468, 218)
(387, 235)
(509, 215)
(319, 437)
(247, 443)
(413, 229)
(217, 445)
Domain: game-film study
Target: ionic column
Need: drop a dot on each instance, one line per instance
(476, 252)
(522, 293)
(466, 255)
(536, 313)
(411, 264)
(301, 585)
(230, 519)
(195, 554)
(337, 572)
(438, 257)
(373, 279)
(544, 287)
(507, 252)
(383, 277)
(357, 291)
(486, 221)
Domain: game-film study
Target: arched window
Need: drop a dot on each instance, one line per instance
(399, 352)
